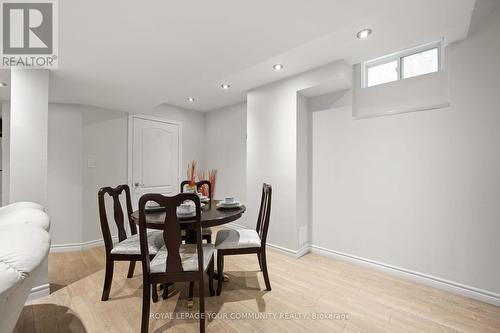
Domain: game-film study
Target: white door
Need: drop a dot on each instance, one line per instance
(155, 157)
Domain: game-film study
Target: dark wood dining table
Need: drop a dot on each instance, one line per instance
(211, 216)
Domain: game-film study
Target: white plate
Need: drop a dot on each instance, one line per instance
(189, 214)
(223, 203)
(235, 204)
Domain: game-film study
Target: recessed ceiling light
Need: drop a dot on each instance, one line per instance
(3, 84)
(363, 34)
(225, 86)
(190, 99)
(278, 67)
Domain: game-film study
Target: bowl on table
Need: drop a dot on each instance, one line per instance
(229, 203)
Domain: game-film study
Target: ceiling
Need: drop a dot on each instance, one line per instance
(132, 56)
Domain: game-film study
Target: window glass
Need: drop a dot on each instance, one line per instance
(420, 63)
(382, 73)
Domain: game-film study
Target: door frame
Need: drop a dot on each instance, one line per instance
(130, 139)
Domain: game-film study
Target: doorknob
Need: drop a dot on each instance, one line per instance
(138, 184)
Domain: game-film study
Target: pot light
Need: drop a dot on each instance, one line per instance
(3, 84)
(278, 67)
(225, 86)
(190, 99)
(363, 34)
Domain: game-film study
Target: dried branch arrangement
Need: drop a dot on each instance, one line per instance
(191, 173)
(212, 176)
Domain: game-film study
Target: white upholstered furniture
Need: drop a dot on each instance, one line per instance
(24, 245)
(24, 213)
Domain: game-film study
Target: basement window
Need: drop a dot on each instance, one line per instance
(401, 65)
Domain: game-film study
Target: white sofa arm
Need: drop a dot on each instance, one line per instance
(24, 214)
(23, 248)
(21, 205)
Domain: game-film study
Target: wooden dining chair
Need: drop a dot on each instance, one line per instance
(128, 248)
(174, 262)
(206, 232)
(244, 241)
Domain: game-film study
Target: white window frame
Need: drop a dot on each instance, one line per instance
(398, 56)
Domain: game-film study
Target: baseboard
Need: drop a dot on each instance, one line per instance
(79, 246)
(295, 253)
(38, 292)
(305, 249)
(433, 281)
(282, 249)
(439, 283)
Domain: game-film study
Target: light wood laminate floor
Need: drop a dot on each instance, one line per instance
(372, 301)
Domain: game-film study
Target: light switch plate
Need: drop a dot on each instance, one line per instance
(90, 163)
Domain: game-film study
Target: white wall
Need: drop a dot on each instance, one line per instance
(104, 141)
(418, 93)
(420, 191)
(304, 172)
(28, 135)
(5, 152)
(271, 157)
(225, 150)
(275, 129)
(78, 133)
(64, 204)
(1, 160)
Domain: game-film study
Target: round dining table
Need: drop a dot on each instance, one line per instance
(211, 216)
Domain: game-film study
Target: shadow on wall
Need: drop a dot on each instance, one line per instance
(62, 319)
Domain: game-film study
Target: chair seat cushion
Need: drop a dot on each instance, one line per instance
(189, 258)
(204, 232)
(132, 244)
(236, 239)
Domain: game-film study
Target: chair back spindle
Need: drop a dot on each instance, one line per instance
(264, 213)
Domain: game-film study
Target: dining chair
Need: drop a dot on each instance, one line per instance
(174, 262)
(128, 247)
(205, 232)
(244, 241)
